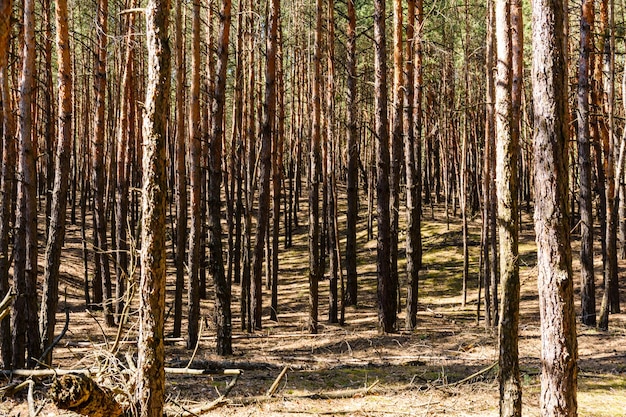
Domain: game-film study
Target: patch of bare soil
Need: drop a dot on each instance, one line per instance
(442, 368)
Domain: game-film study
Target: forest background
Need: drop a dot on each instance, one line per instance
(291, 117)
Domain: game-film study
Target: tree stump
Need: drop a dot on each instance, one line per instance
(79, 393)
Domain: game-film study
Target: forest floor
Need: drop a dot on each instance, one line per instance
(352, 370)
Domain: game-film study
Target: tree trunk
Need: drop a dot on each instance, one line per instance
(267, 132)
(277, 165)
(221, 285)
(181, 173)
(7, 176)
(99, 170)
(195, 181)
(334, 259)
(150, 389)
(352, 196)
(413, 130)
(314, 177)
(125, 135)
(56, 231)
(556, 305)
(385, 288)
(490, 133)
(396, 149)
(587, 288)
(24, 319)
(506, 182)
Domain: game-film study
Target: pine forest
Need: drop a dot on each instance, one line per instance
(312, 207)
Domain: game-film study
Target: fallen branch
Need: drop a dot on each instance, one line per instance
(333, 395)
(219, 401)
(474, 375)
(191, 371)
(43, 372)
(328, 395)
(274, 386)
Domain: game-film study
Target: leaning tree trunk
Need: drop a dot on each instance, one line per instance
(559, 351)
(56, 230)
(150, 389)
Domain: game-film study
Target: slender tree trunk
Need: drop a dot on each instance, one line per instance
(464, 156)
(181, 172)
(221, 285)
(277, 167)
(396, 148)
(195, 181)
(556, 304)
(150, 388)
(314, 178)
(56, 231)
(24, 318)
(246, 290)
(7, 176)
(412, 129)
(490, 269)
(385, 291)
(49, 111)
(99, 170)
(267, 132)
(334, 259)
(237, 147)
(352, 196)
(125, 134)
(587, 292)
(506, 182)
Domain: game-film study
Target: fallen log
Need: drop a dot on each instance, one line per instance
(79, 393)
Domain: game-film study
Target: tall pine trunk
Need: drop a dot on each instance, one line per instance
(7, 176)
(587, 292)
(506, 188)
(352, 196)
(150, 388)
(56, 230)
(181, 171)
(314, 177)
(385, 288)
(265, 166)
(195, 181)
(559, 352)
(221, 285)
(24, 318)
(99, 170)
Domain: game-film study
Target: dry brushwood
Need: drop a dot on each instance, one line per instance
(79, 393)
